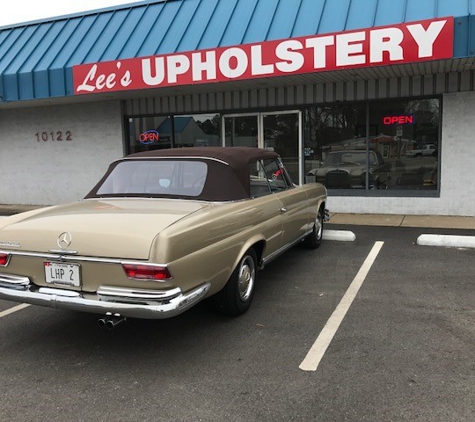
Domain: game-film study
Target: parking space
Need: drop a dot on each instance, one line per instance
(403, 351)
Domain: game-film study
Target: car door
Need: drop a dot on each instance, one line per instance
(267, 208)
(293, 202)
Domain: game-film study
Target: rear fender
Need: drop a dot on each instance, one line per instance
(257, 242)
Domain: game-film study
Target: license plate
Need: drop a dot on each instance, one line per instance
(61, 273)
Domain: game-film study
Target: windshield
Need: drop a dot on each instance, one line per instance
(155, 177)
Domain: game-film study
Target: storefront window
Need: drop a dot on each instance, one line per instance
(197, 130)
(144, 134)
(329, 131)
(408, 140)
(281, 134)
(241, 131)
(158, 132)
(403, 148)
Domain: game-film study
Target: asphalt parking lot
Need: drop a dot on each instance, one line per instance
(402, 350)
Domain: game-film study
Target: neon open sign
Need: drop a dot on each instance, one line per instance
(149, 137)
(402, 119)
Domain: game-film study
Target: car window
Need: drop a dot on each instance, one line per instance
(276, 175)
(259, 185)
(158, 177)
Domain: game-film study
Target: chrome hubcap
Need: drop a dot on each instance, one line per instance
(319, 226)
(247, 274)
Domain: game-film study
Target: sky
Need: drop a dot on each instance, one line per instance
(19, 11)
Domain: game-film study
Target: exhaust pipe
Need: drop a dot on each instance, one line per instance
(114, 321)
(111, 321)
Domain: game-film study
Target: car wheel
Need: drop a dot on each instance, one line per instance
(237, 294)
(314, 239)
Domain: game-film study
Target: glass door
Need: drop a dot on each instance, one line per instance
(277, 131)
(281, 133)
(241, 130)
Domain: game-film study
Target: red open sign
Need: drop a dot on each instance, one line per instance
(149, 137)
(402, 119)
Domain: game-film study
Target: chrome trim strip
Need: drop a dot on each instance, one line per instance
(118, 292)
(148, 264)
(58, 292)
(80, 258)
(168, 306)
(284, 248)
(57, 256)
(14, 281)
(63, 252)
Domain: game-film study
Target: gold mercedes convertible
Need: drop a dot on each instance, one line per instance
(161, 231)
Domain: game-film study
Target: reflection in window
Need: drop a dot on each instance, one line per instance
(408, 140)
(158, 132)
(281, 134)
(144, 134)
(329, 129)
(403, 148)
(241, 131)
(198, 130)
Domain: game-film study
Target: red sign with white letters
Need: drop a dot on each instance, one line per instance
(379, 46)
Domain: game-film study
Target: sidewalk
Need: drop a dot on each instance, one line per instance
(393, 220)
(389, 220)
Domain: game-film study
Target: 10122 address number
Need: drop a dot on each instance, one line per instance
(54, 136)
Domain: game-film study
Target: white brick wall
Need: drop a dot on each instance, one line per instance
(457, 190)
(53, 172)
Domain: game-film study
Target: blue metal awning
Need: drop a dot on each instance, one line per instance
(36, 58)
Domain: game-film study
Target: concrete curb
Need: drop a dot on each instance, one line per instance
(446, 241)
(339, 235)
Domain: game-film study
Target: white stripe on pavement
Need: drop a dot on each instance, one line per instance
(316, 352)
(446, 240)
(14, 309)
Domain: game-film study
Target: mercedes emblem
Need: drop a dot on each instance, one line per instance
(64, 240)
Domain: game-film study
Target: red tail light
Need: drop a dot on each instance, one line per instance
(4, 259)
(146, 272)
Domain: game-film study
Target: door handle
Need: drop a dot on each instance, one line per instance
(283, 209)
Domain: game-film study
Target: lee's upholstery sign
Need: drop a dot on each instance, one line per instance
(378, 46)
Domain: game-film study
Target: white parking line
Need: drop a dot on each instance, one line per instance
(14, 309)
(316, 352)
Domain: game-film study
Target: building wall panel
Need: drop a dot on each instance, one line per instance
(54, 172)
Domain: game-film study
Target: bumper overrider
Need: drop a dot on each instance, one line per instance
(133, 303)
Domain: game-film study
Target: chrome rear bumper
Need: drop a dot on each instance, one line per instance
(132, 303)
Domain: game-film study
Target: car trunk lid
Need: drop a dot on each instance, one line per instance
(115, 228)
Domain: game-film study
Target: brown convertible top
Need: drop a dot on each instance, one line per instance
(234, 156)
(228, 176)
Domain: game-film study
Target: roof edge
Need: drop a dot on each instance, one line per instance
(84, 13)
